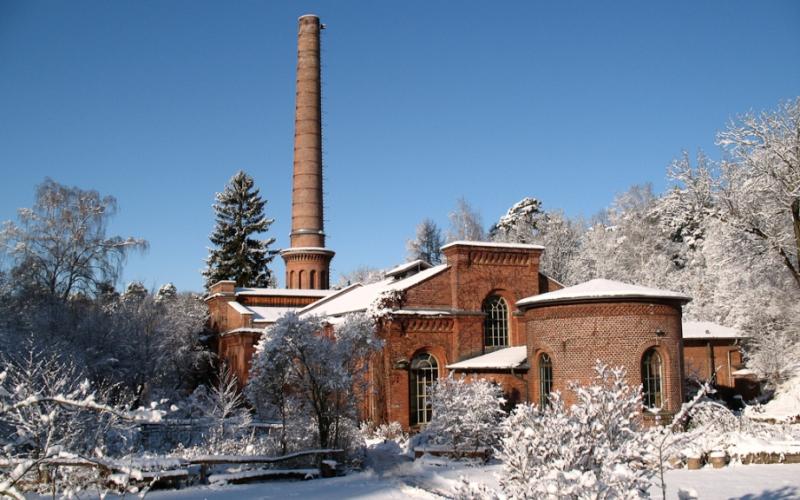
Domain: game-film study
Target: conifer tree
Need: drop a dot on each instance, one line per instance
(237, 255)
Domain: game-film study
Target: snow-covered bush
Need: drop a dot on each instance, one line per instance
(595, 449)
(393, 431)
(466, 413)
(46, 407)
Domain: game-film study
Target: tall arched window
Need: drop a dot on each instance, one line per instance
(299, 279)
(291, 279)
(424, 372)
(652, 379)
(545, 379)
(495, 325)
(312, 278)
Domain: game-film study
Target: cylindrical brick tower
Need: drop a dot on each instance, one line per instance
(307, 259)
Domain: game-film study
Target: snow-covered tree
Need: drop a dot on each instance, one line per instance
(319, 368)
(595, 449)
(466, 413)
(47, 406)
(427, 243)
(237, 255)
(60, 245)
(759, 187)
(160, 348)
(465, 223)
(525, 222)
(521, 224)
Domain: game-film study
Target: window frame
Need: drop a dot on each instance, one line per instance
(424, 372)
(545, 364)
(496, 324)
(652, 367)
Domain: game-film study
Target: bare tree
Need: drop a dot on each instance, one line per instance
(427, 244)
(60, 244)
(465, 223)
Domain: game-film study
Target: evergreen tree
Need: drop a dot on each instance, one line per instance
(427, 245)
(236, 254)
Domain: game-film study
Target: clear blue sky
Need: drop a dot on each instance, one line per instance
(159, 102)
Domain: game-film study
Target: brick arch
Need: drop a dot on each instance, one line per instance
(669, 376)
(435, 351)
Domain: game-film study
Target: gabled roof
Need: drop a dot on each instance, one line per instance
(358, 297)
(600, 289)
(502, 359)
(709, 330)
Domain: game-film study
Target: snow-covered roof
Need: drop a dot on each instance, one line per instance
(243, 330)
(358, 297)
(241, 309)
(493, 245)
(708, 330)
(423, 312)
(510, 357)
(403, 268)
(599, 289)
(283, 292)
(266, 314)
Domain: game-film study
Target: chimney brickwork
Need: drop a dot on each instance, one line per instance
(307, 259)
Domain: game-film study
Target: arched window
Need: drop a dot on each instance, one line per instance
(424, 372)
(545, 380)
(652, 379)
(312, 277)
(291, 279)
(495, 325)
(299, 279)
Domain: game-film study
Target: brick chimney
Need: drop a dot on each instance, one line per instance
(307, 259)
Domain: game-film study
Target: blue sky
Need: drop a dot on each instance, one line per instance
(159, 103)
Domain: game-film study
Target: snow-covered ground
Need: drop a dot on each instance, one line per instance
(435, 478)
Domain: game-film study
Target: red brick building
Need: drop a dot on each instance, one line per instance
(486, 312)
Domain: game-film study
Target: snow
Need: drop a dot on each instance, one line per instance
(785, 407)
(422, 312)
(708, 330)
(433, 478)
(243, 330)
(265, 314)
(510, 357)
(408, 266)
(598, 289)
(239, 308)
(283, 292)
(358, 298)
(524, 246)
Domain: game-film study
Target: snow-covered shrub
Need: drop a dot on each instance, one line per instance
(595, 449)
(47, 407)
(466, 413)
(393, 431)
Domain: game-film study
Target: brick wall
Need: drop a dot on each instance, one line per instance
(617, 333)
(705, 357)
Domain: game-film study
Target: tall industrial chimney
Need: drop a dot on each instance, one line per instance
(307, 259)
